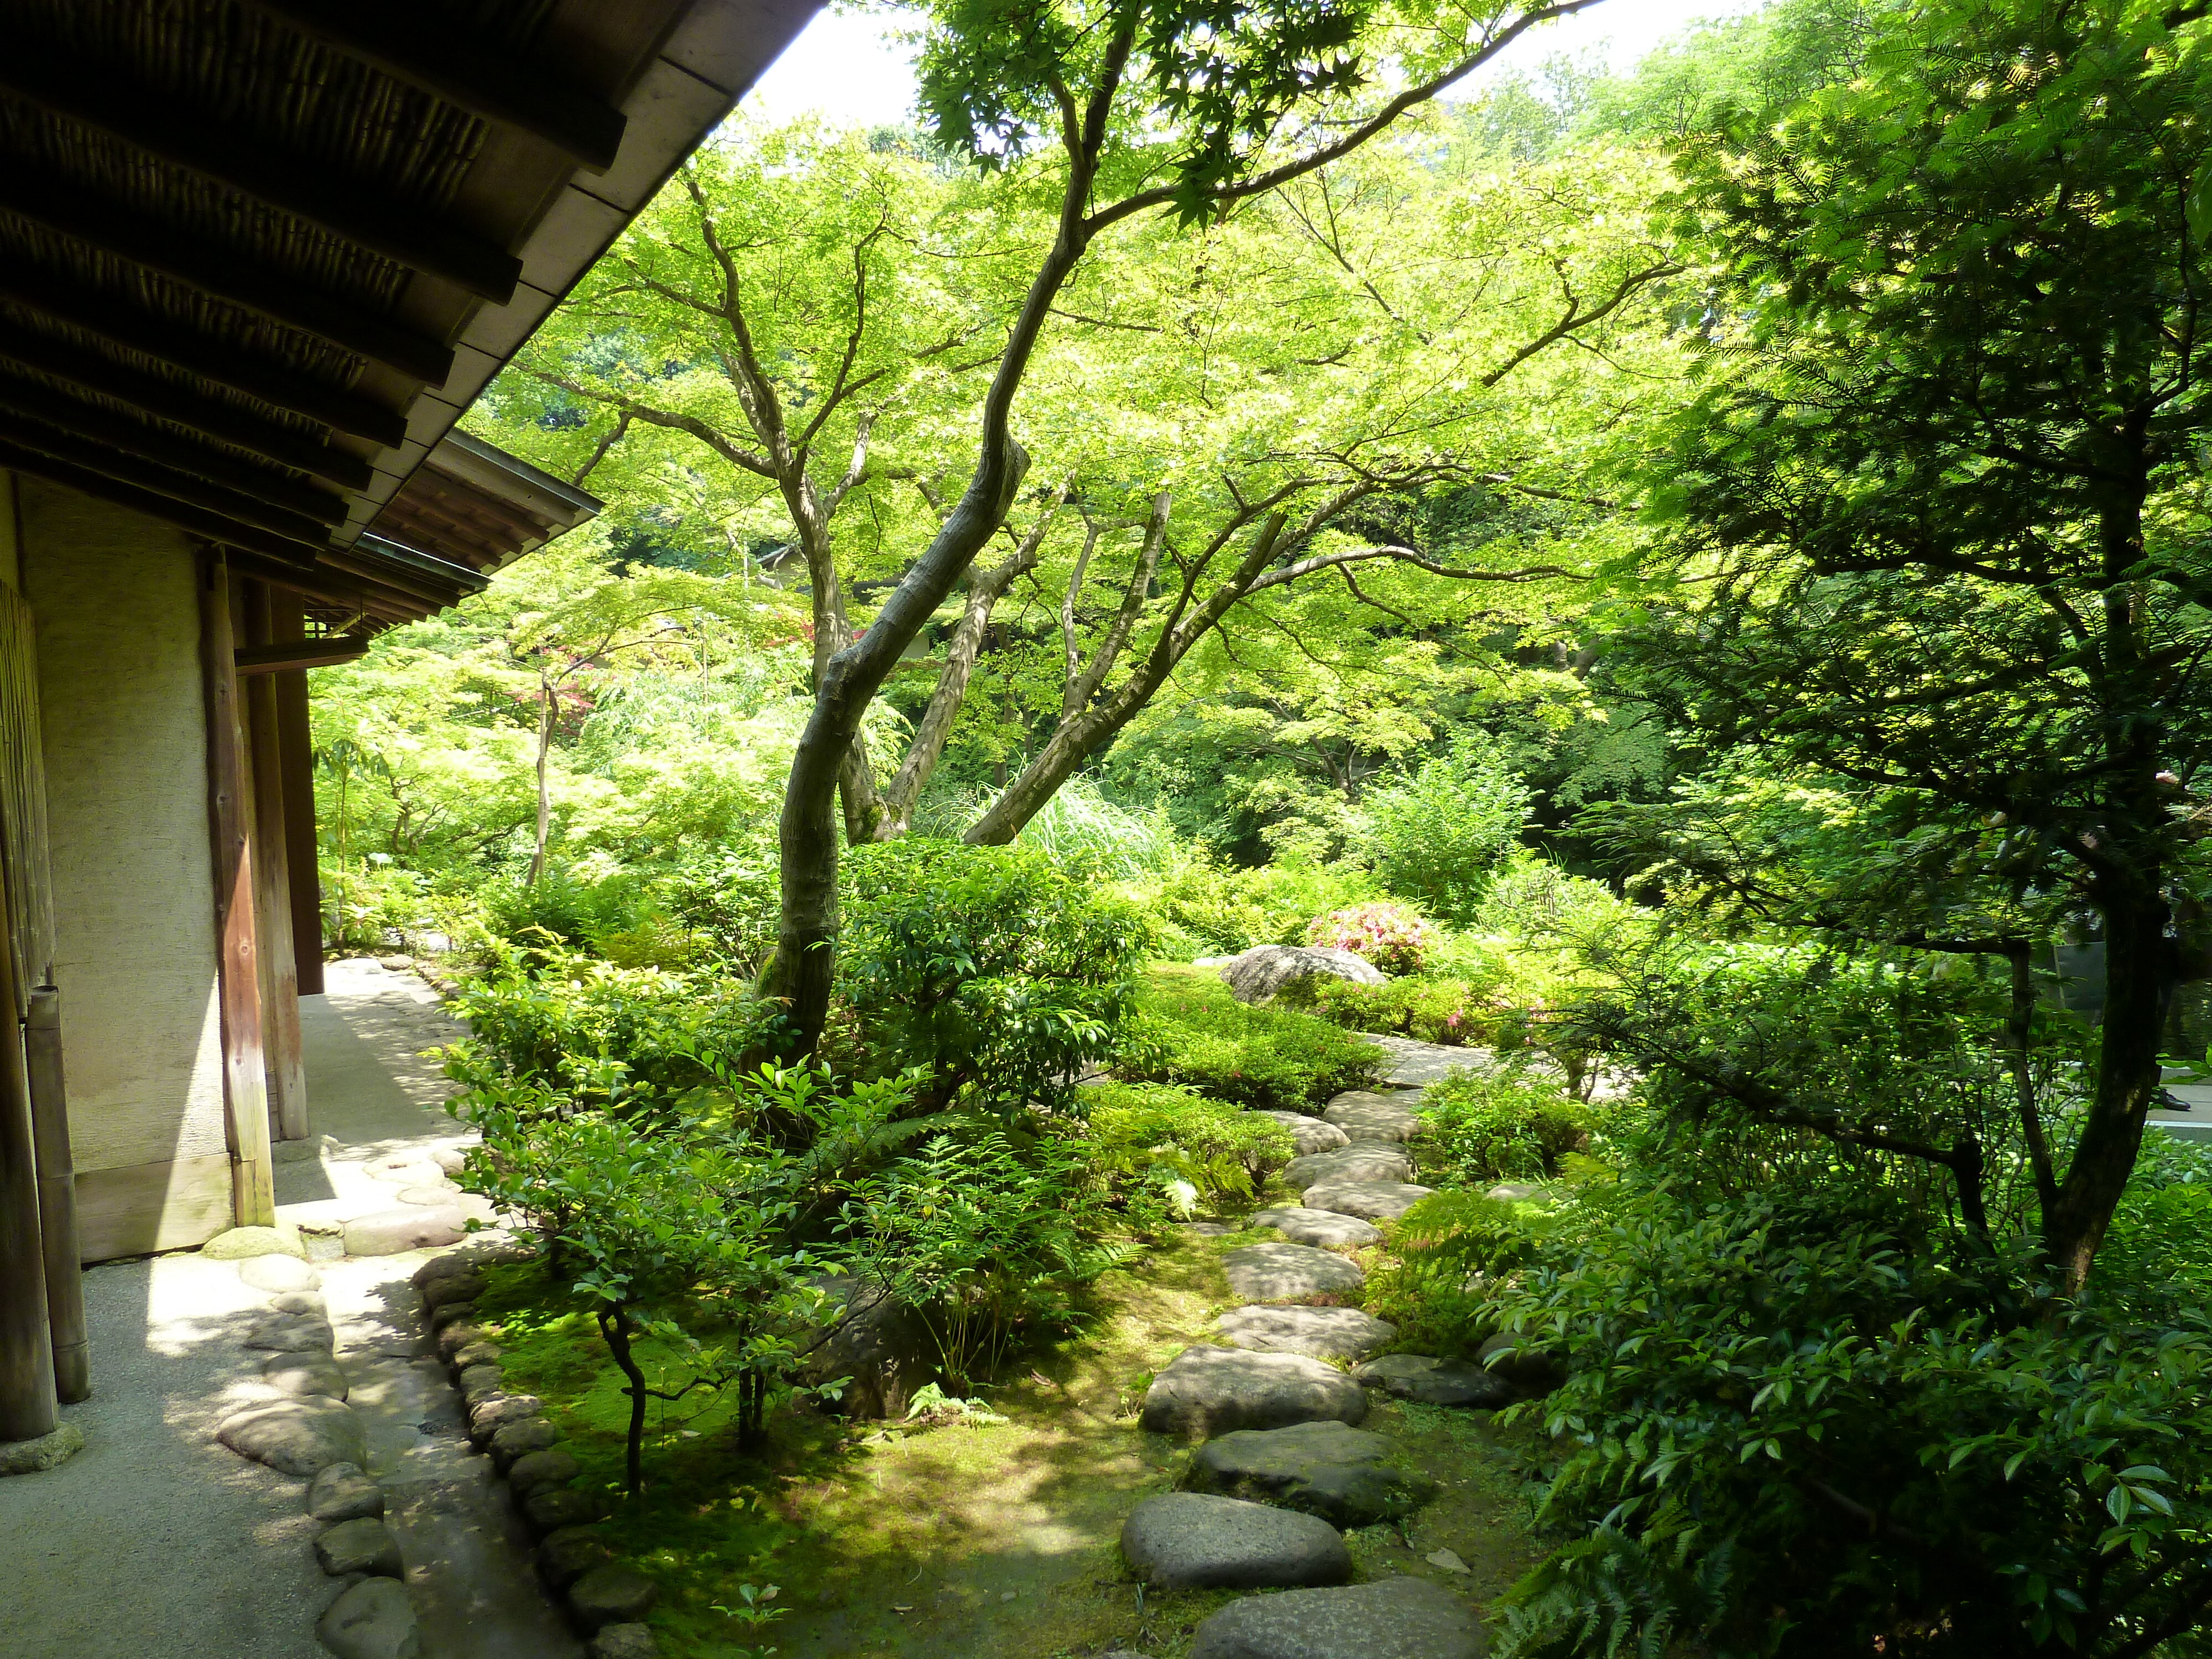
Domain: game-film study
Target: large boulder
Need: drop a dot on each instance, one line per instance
(1319, 1227)
(1193, 1541)
(300, 1437)
(1370, 1201)
(1365, 1117)
(1342, 1475)
(1433, 1381)
(1370, 1163)
(1266, 968)
(1309, 1134)
(1206, 1391)
(1395, 1618)
(373, 1619)
(881, 1345)
(1317, 1333)
(1282, 1273)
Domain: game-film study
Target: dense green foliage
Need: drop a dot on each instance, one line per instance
(1188, 1030)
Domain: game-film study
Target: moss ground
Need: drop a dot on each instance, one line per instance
(993, 1542)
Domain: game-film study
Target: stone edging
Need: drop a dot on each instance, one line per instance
(606, 1602)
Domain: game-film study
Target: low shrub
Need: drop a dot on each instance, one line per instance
(1221, 909)
(1440, 1009)
(1507, 1124)
(995, 973)
(1437, 837)
(1388, 937)
(1446, 1252)
(1166, 1149)
(1188, 1030)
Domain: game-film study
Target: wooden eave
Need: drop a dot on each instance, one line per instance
(257, 257)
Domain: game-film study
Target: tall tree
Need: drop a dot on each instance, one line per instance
(1139, 107)
(1944, 498)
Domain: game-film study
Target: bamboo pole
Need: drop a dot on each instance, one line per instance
(28, 1404)
(245, 1087)
(285, 1065)
(296, 765)
(50, 1136)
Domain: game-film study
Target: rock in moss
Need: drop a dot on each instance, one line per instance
(566, 1556)
(612, 1595)
(514, 1441)
(625, 1642)
(1395, 1619)
(535, 1471)
(549, 1509)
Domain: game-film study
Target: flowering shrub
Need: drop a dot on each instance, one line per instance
(1389, 936)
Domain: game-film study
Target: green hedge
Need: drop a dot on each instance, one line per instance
(1188, 1030)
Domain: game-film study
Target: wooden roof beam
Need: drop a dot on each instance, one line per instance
(306, 536)
(410, 43)
(67, 211)
(275, 659)
(186, 138)
(152, 336)
(152, 443)
(89, 371)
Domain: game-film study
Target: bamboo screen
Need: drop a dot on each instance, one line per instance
(23, 800)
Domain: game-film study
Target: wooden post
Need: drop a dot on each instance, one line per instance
(27, 1403)
(50, 1138)
(285, 1065)
(296, 758)
(245, 1089)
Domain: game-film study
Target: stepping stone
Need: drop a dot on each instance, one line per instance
(373, 1620)
(291, 1334)
(314, 1373)
(1515, 1192)
(408, 1169)
(363, 1546)
(1341, 1475)
(1309, 1134)
(1192, 1541)
(1432, 1381)
(300, 1437)
(343, 1492)
(1206, 1391)
(1370, 1117)
(279, 1273)
(1278, 1273)
(1408, 1062)
(626, 1642)
(1370, 1201)
(309, 1303)
(242, 1243)
(1395, 1619)
(1357, 1164)
(1316, 1333)
(1319, 1227)
(409, 1227)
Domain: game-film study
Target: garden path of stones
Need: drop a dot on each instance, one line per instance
(1281, 1466)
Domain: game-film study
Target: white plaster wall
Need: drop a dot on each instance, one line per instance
(121, 696)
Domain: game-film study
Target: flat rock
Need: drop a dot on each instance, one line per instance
(343, 1491)
(305, 1374)
(1341, 1475)
(1309, 1134)
(279, 1273)
(406, 1170)
(1206, 1391)
(612, 1595)
(1515, 1192)
(1532, 1372)
(307, 1303)
(1419, 1064)
(373, 1619)
(47, 1451)
(1194, 1540)
(1319, 1227)
(534, 1471)
(291, 1334)
(1260, 972)
(300, 1437)
(1316, 1333)
(409, 1227)
(1433, 1381)
(512, 1442)
(1372, 1162)
(1277, 1273)
(365, 1545)
(241, 1243)
(1395, 1618)
(1370, 1201)
(625, 1642)
(1364, 1117)
(566, 1556)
